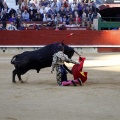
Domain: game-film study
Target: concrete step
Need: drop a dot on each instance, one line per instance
(12, 4)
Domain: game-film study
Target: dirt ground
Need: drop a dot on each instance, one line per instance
(40, 98)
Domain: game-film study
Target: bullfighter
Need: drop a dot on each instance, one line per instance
(61, 74)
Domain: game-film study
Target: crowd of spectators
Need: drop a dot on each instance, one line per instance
(66, 12)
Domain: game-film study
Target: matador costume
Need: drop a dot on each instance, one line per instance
(58, 62)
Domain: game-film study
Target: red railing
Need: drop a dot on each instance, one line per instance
(44, 37)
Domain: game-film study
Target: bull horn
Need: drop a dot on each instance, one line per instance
(77, 53)
(62, 41)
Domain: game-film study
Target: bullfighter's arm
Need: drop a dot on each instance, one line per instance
(72, 61)
(68, 60)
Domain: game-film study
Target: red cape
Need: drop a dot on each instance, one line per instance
(77, 70)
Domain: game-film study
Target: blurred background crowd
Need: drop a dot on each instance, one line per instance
(69, 13)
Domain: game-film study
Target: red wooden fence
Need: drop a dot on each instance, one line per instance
(44, 37)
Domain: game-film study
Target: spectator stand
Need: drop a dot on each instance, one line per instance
(79, 5)
(45, 26)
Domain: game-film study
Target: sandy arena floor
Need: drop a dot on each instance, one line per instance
(40, 98)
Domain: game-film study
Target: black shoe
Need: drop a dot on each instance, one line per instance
(80, 81)
(73, 83)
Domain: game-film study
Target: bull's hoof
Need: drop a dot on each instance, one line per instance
(22, 81)
(14, 81)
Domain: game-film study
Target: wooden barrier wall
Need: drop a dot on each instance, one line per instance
(44, 37)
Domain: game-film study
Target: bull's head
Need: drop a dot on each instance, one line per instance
(68, 50)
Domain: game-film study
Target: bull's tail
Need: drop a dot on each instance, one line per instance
(13, 59)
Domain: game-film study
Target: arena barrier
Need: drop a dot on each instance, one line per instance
(81, 40)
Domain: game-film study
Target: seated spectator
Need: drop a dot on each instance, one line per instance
(52, 22)
(26, 26)
(46, 18)
(38, 16)
(65, 19)
(12, 18)
(32, 16)
(19, 20)
(65, 4)
(84, 18)
(74, 11)
(55, 5)
(4, 24)
(5, 7)
(39, 6)
(92, 6)
(47, 8)
(42, 10)
(24, 6)
(61, 12)
(90, 18)
(44, 2)
(62, 26)
(30, 2)
(51, 12)
(1, 26)
(1, 5)
(11, 26)
(33, 8)
(80, 7)
(52, 18)
(68, 11)
(58, 19)
(25, 16)
(12, 12)
(86, 9)
(71, 24)
(29, 10)
(77, 19)
(5, 16)
(36, 27)
(74, 5)
(70, 18)
(21, 27)
(36, 2)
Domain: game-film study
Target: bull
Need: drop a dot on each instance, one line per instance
(37, 59)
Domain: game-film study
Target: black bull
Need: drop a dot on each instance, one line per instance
(37, 59)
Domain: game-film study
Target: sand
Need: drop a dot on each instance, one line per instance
(40, 98)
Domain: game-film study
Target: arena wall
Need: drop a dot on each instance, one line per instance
(82, 40)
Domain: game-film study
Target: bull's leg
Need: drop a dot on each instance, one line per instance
(13, 76)
(19, 77)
